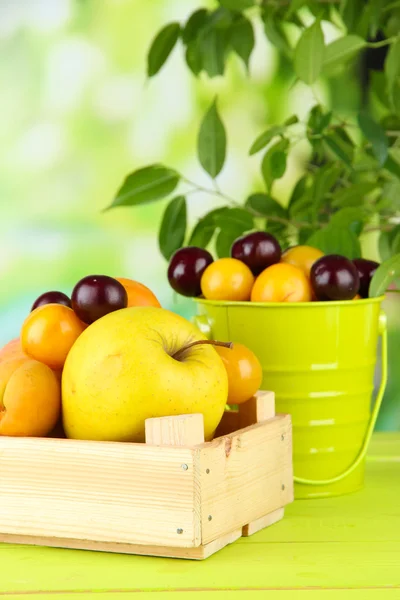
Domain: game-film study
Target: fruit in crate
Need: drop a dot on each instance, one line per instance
(134, 364)
(138, 294)
(282, 283)
(30, 398)
(366, 269)
(257, 250)
(51, 298)
(302, 257)
(334, 277)
(49, 332)
(244, 372)
(227, 279)
(95, 296)
(186, 268)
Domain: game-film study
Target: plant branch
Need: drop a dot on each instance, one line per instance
(386, 42)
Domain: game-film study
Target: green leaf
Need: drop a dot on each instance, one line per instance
(211, 144)
(384, 245)
(351, 11)
(298, 190)
(213, 45)
(342, 49)
(273, 165)
(161, 47)
(353, 195)
(349, 218)
(294, 6)
(376, 135)
(237, 5)
(238, 217)
(265, 138)
(334, 239)
(146, 185)
(291, 121)
(266, 206)
(173, 227)
(225, 239)
(324, 180)
(194, 24)
(193, 57)
(309, 54)
(204, 230)
(341, 148)
(242, 39)
(318, 120)
(275, 33)
(392, 166)
(392, 66)
(385, 274)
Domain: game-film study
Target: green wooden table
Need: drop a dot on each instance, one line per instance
(346, 547)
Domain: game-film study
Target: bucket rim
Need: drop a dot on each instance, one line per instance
(293, 305)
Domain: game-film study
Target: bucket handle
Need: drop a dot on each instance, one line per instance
(361, 455)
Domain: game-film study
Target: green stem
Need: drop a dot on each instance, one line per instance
(387, 42)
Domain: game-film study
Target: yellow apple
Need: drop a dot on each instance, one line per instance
(122, 370)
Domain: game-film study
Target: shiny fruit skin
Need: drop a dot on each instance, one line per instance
(227, 279)
(334, 277)
(49, 332)
(51, 298)
(282, 283)
(302, 257)
(186, 268)
(95, 296)
(366, 269)
(244, 372)
(258, 250)
(138, 294)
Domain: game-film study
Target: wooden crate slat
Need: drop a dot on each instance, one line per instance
(99, 491)
(245, 476)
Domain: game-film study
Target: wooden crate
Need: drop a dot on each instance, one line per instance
(173, 496)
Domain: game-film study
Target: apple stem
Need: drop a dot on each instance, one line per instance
(179, 353)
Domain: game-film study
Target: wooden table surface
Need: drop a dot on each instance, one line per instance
(345, 547)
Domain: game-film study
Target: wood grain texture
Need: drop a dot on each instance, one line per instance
(180, 430)
(263, 522)
(100, 491)
(259, 408)
(244, 476)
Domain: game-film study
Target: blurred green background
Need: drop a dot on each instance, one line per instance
(77, 114)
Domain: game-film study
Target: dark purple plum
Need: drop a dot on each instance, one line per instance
(95, 296)
(185, 269)
(366, 269)
(51, 298)
(334, 277)
(257, 250)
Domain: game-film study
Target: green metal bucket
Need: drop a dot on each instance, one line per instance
(319, 358)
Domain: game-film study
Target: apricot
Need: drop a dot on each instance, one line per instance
(49, 332)
(30, 398)
(227, 279)
(282, 283)
(138, 294)
(11, 349)
(244, 372)
(302, 257)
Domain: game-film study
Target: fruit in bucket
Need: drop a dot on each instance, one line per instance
(186, 268)
(138, 294)
(334, 277)
(139, 363)
(51, 298)
(30, 398)
(366, 269)
(257, 250)
(227, 279)
(302, 257)
(97, 295)
(244, 372)
(282, 283)
(49, 332)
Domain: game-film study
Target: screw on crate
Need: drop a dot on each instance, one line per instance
(184, 467)
(179, 530)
